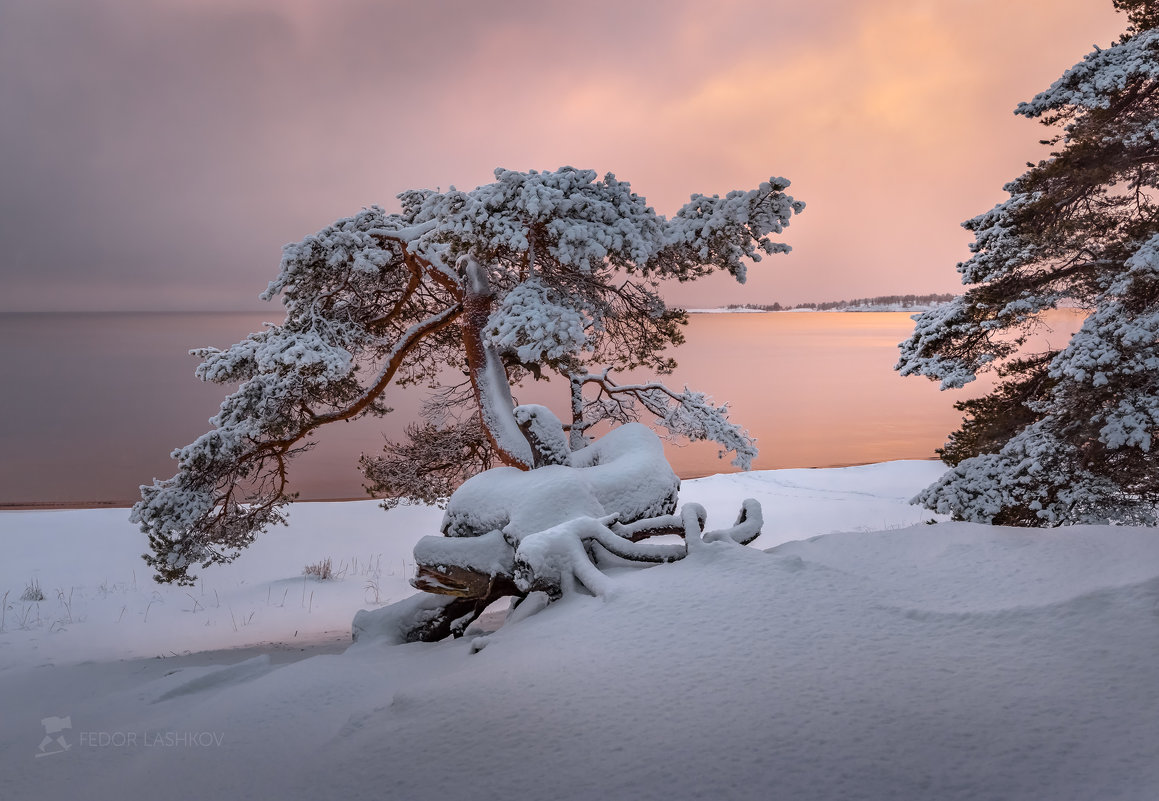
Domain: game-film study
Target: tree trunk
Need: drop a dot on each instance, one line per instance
(489, 376)
(461, 582)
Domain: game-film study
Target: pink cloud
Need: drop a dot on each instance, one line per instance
(183, 144)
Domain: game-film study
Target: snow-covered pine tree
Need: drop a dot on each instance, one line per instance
(1069, 435)
(538, 271)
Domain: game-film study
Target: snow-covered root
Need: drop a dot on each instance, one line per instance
(746, 528)
(693, 517)
(649, 527)
(522, 608)
(525, 607)
(422, 617)
(553, 561)
(462, 576)
(611, 536)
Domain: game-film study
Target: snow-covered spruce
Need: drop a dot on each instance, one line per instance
(546, 532)
(554, 272)
(1067, 436)
(1105, 393)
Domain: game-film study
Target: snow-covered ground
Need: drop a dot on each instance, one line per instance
(883, 659)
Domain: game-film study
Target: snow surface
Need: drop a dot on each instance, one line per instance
(862, 657)
(623, 473)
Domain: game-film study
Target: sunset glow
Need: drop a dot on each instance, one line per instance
(158, 157)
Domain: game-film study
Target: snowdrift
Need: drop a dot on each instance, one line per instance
(885, 658)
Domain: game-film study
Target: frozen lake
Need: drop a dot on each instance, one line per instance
(92, 404)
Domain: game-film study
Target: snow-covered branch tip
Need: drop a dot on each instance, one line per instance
(686, 414)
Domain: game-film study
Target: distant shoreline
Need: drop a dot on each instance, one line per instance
(914, 309)
(58, 506)
(909, 302)
(55, 506)
(61, 506)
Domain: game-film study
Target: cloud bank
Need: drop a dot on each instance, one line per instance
(156, 156)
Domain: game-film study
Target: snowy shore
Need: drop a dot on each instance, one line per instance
(852, 652)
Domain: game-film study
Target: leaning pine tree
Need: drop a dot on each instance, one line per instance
(1068, 436)
(536, 273)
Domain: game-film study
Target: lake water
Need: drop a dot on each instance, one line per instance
(92, 404)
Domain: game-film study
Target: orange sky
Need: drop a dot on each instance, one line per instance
(157, 156)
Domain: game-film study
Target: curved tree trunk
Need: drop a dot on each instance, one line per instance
(489, 376)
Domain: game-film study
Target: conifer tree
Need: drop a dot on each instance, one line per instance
(1068, 435)
(538, 272)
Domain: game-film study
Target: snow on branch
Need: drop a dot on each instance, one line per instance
(533, 323)
(1093, 82)
(1088, 457)
(231, 481)
(722, 231)
(686, 414)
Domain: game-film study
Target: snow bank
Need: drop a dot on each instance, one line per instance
(101, 604)
(881, 660)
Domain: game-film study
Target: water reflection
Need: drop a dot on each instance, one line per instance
(94, 403)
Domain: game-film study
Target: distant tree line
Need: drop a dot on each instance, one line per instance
(905, 301)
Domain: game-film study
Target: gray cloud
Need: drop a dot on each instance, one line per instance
(156, 155)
